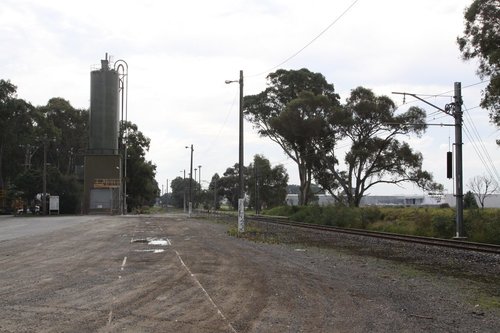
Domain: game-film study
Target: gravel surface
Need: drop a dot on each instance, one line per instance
(174, 274)
(481, 267)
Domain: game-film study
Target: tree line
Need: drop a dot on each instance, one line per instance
(265, 186)
(25, 130)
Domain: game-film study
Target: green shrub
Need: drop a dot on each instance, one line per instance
(349, 218)
(308, 214)
(444, 226)
(370, 215)
(281, 211)
(470, 200)
(423, 222)
(481, 225)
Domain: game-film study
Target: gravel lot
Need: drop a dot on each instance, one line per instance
(170, 273)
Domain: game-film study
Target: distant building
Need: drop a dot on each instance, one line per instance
(492, 201)
(402, 200)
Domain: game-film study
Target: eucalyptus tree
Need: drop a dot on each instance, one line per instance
(16, 127)
(67, 131)
(178, 195)
(228, 185)
(292, 111)
(142, 188)
(369, 126)
(481, 41)
(216, 191)
(267, 185)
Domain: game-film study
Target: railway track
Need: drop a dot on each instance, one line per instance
(450, 243)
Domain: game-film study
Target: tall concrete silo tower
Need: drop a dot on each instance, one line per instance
(104, 115)
(102, 180)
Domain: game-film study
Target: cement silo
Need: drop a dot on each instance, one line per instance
(103, 161)
(104, 113)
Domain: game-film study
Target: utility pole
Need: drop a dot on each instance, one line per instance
(199, 175)
(215, 194)
(242, 189)
(166, 198)
(241, 200)
(44, 184)
(199, 181)
(455, 110)
(184, 191)
(256, 175)
(194, 195)
(457, 114)
(190, 204)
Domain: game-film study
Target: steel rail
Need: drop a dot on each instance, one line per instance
(450, 243)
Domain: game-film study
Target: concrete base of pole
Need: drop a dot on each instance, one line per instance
(241, 215)
(190, 209)
(458, 237)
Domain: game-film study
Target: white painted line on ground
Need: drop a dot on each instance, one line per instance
(110, 317)
(206, 293)
(158, 241)
(151, 250)
(123, 263)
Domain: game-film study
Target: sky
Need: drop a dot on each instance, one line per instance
(180, 53)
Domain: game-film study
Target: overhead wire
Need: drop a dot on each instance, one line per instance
(223, 124)
(438, 117)
(478, 152)
(308, 44)
(489, 164)
(293, 56)
(465, 87)
(443, 94)
(432, 116)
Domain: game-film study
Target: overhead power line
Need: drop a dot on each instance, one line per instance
(478, 151)
(229, 110)
(481, 150)
(308, 44)
(443, 94)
